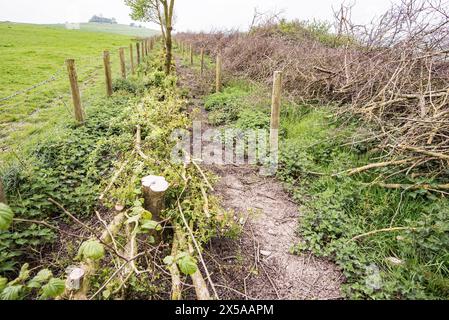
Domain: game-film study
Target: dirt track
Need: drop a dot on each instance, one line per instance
(259, 264)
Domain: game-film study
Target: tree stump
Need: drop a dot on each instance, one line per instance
(154, 189)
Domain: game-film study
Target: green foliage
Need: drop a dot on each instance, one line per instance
(69, 168)
(224, 107)
(158, 79)
(43, 285)
(336, 209)
(11, 292)
(30, 55)
(91, 250)
(186, 263)
(127, 85)
(253, 119)
(6, 217)
(53, 288)
(41, 277)
(231, 96)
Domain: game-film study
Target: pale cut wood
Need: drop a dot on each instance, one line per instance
(154, 189)
(108, 72)
(275, 111)
(176, 291)
(76, 96)
(201, 290)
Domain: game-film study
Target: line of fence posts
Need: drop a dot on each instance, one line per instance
(275, 104)
(142, 49)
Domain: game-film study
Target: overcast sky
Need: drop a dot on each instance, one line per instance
(194, 15)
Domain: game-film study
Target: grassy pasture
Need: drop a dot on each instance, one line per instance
(33, 54)
(121, 29)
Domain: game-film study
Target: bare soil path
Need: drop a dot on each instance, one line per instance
(259, 265)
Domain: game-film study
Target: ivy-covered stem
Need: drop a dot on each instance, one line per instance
(2, 193)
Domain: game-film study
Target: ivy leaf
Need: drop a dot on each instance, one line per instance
(169, 260)
(24, 273)
(6, 217)
(40, 278)
(11, 293)
(53, 288)
(187, 265)
(3, 282)
(151, 225)
(106, 294)
(91, 249)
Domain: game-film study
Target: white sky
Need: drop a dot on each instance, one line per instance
(193, 15)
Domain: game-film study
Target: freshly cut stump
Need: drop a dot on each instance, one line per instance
(154, 189)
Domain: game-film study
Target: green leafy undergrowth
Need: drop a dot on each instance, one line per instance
(224, 107)
(410, 263)
(159, 116)
(407, 264)
(43, 285)
(69, 168)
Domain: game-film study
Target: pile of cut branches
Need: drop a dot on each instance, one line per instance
(394, 73)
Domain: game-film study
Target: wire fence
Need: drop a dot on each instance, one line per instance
(40, 106)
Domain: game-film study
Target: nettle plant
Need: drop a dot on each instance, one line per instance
(43, 285)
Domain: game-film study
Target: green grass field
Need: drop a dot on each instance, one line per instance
(33, 54)
(121, 29)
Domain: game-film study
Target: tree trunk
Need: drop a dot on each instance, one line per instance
(168, 54)
(168, 13)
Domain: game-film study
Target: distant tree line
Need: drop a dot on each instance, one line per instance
(100, 19)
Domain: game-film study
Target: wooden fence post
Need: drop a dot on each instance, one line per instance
(218, 72)
(143, 50)
(108, 72)
(151, 44)
(76, 97)
(131, 56)
(191, 55)
(2, 193)
(275, 111)
(202, 61)
(138, 52)
(122, 62)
